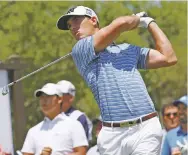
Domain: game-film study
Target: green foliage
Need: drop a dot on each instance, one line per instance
(28, 29)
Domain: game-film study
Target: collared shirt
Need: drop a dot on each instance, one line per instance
(114, 78)
(93, 151)
(171, 139)
(163, 138)
(82, 119)
(62, 134)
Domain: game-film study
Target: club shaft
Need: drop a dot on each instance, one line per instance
(38, 70)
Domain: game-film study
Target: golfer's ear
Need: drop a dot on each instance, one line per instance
(94, 21)
(60, 100)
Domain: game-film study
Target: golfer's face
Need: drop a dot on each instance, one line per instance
(80, 26)
(48, 103)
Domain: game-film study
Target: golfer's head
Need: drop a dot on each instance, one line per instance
(81, 21)
(50, 100)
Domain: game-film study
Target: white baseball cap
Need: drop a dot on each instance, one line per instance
(183, 99)
(49, 89)
(75, 11)
(66, 87)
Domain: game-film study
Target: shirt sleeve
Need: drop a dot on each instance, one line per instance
(78, 136)
(83, 121)
(142, 57)
(28, 146)
(83, 53)
(166, 148)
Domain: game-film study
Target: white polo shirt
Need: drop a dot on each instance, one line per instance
(93, 151)
(62, 134)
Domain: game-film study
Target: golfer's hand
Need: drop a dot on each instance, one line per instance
(145, 20)
(46, 151)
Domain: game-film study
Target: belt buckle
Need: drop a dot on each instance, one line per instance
(128, 124)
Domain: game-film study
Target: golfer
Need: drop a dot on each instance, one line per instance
(130, 122)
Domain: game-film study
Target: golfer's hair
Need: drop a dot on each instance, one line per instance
(166, 106)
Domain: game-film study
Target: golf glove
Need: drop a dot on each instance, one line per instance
(144, 19)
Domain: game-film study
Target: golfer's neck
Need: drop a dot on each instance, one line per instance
(51, 116)
(94, 31)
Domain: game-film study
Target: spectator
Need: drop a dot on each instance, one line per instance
(94, 150)
(68, 91)
(170, 116)
(176, 140)
(56, 134)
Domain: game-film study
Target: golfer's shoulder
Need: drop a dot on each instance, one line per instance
(83, 43)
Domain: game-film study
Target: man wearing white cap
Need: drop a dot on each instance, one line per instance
(130, 122)
(56, 134)
(68, 91)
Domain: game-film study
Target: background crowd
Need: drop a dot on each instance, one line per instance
(173, 115)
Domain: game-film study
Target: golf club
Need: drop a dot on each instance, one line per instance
(5, 89)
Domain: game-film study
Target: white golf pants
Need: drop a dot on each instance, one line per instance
(141, 139)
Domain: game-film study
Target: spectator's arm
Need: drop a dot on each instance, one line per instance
(27, 153)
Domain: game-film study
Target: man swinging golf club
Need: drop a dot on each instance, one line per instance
(130, 122)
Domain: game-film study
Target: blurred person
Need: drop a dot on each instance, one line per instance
(56, 134)
(94, 150)
(176, 140)
(130, 121)
(68, 91)
(170, 116)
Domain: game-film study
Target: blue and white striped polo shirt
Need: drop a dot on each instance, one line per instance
(114, 79)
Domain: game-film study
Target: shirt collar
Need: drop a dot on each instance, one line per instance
(69, 111)
(180, 132)
(59, 117)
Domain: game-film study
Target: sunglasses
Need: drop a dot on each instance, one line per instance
(169, 114)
